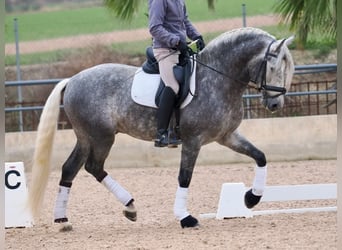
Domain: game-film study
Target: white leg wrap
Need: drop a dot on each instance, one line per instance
(61, 202)
(259, 182)
(179, 207)
(120, 193)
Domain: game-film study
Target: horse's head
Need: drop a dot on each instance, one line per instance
(269, 62)
(274, 75)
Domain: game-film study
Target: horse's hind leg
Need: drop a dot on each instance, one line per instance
(69, 171)
(238, 143)
(94, 165)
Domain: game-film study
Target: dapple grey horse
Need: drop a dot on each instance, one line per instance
(98, 104)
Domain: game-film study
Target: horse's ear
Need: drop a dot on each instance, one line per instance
(289, 40)
(280, 43)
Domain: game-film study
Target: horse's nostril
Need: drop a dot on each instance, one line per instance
(273, 107)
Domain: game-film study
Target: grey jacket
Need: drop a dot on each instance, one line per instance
(169, 23)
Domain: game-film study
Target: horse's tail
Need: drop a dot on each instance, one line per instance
(43, 147)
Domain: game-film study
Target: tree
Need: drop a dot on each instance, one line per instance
(307, 16)
(126, 9)
(123, 9)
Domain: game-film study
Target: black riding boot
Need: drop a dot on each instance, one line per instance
(164, 112)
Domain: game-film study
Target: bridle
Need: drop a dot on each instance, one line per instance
(261, 77)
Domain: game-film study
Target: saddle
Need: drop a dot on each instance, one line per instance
(182, 72)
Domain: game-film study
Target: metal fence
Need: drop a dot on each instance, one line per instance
(304, 98)
(313, 92)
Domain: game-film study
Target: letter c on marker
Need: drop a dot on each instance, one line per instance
(8, 185)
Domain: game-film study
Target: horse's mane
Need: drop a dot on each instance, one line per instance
(232, 35)
(238, 36)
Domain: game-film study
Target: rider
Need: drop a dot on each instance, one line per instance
(169, 26)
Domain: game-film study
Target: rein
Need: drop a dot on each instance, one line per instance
(217, 71)
(261, 75)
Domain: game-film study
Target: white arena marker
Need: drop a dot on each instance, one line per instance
(231, 202)
(16, 194)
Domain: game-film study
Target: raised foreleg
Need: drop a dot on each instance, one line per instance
(239, 144)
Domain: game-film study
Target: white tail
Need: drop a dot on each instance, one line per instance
(43, 148)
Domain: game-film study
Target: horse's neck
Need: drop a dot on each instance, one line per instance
(234, 59)
(223, 68)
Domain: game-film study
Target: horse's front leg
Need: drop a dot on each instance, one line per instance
(238, 143)
(188, 160)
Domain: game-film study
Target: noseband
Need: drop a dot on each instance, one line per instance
(261, 77)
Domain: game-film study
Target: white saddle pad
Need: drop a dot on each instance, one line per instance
(145, 86)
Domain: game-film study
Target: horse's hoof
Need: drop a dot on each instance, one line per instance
(130, 213)
(189, 221)
(64, 225)
(250, 199)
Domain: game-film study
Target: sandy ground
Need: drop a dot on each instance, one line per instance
(98, 222)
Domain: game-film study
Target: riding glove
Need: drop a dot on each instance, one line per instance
(182, 47)
(200, 43)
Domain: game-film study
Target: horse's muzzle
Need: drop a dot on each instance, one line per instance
(273, 104)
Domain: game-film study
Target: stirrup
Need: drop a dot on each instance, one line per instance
(162, 140)
(174, 139)
(174, 142)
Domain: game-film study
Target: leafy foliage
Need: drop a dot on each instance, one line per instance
(306, 16)
(123, 9)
